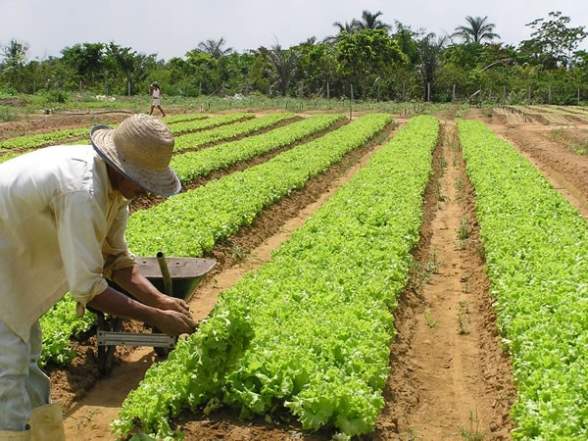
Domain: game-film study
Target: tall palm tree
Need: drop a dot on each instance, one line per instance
(215, 47)
(371, 21)
(283, 66)
(477, 30)
(346, 27)
(430, 48)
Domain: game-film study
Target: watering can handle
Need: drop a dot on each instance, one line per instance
(167, 280)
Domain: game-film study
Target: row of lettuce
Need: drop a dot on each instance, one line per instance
(184, 124)
(192, 165)
(227, 132)
(310, 330)
(294, 333)
(192, 222)
(61, 323)
(536, 248)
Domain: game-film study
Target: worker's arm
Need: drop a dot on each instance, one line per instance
(120, 267)
(80, 222)
(143, 290)
(170, 322)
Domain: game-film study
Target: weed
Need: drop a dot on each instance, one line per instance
(464, 230)
(421, 272)
(431, 322)
(460, 185)
(473, 434)
(581, 148)
(432, 266)
(443, 163)
(238, 253)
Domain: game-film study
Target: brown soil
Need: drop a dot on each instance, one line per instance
(89, 418)
(449, 377)
(566, 170)
(560, 114)
(48, 123)
(69, 384)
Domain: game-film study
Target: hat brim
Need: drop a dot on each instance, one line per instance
(162, 183)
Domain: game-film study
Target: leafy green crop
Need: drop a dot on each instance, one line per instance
(192, 222)
(208, 123)
(536, 247)
(311, 329)
(58, 325)
(44, 139)
(58, 348)
(228, 132)
(5, 157)
(191, 165)
(184, 117)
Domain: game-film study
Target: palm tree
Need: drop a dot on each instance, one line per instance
(477, 30)
(283, 66)
(215, 47)
(371, 21)
(346, 27)
(430, 48)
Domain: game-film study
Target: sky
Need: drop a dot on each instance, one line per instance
(171, 28)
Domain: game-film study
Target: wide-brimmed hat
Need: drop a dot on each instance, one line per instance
(140, 148)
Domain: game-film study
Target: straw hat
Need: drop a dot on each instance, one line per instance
(141, 149)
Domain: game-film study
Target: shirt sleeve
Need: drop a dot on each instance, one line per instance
(115, 250)
(80, 225)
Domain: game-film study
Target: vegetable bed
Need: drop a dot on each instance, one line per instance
(192, 165)
(228, 132)
(536, 248)
(190, 223)
(309, 331)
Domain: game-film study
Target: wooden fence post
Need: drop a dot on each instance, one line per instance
(351, 103)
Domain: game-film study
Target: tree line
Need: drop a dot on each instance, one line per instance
(365, 58)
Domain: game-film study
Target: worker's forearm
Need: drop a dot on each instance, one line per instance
(137, 285)
(113, 302)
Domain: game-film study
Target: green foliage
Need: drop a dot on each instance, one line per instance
(366, 52)
(190, 223)
(43, 139)
(6, 156)
(56, 96)
(184, 117)
(58, 326)
(553, 41)
(311, 329)
(227, 132)
(477, 30)
(208, 123)
(190, 166)
(536, 248)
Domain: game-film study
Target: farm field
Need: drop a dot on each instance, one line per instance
(367, 270)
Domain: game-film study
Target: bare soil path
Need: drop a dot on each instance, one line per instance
(449, 379)
(90, 418)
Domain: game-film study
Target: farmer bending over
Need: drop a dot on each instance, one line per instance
(63, 214)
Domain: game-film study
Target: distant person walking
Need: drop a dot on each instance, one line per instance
(155, 93)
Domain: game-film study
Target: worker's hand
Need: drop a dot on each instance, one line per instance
(168, 303)
(174, 323)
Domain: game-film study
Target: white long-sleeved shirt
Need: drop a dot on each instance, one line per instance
(61, 229)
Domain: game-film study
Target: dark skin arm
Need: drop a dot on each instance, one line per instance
(143, 290)
(170, 315)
